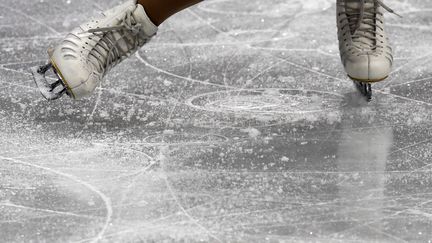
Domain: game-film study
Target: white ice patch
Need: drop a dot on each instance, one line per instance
(252, 132)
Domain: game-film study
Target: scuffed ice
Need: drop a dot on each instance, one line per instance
(237, 123)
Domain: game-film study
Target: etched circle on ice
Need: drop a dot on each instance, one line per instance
(267, 101)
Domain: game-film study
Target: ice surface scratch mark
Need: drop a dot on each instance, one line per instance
(161, 159)
(90, 117)
(284, 24)
(411, 82)
(414, 60)
(405, 98)
(8, 85)
(280, 58)
(97, 169)
(310, 70)
(30, 17)
(205, 8)
(254, 211)
(411, 145)
(56, 153)
(402, 149)
(394, 237)
(106, 179)
(15, 71)
(98, 100)
(150, 224)
(421, 169)
(141, 202)
(270, 67)
(185, 212)
(297, 12)
(366, 224)
(194, 14)
(225, 72)
(27, 88)
(369, 222)
(47, 210)
(179, 144)
(18, 63)
(140, 96)
(21, 72)
(206, 22)
(6, 39)
(411, 26)
(178, 76)
(244, 43)
(312, 172)
(190, 103)
(105, 199)
(99, 7)
(286, 238)
(135, 178)
(420, 213)
(270, 225)
(342, 209)
(185, 50)
(295, 50)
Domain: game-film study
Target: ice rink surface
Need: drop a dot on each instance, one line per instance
(236, 124)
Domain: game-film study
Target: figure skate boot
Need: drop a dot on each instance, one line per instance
(363, 43)
(86, 55)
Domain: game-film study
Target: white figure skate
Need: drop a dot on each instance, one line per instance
(363, 43)
(85, 56)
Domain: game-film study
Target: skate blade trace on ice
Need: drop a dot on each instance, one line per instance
(49, 90)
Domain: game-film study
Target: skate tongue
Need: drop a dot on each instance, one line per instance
(353, 10)
(147, 25)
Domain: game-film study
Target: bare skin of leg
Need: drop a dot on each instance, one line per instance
(160, 10)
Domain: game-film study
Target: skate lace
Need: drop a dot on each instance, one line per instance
(363, 24)
(108, 44)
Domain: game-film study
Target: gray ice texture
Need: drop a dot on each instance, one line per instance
(236, 123)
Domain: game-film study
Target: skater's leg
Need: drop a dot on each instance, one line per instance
(159, 10)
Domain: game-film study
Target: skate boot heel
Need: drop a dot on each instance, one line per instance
(49, 90)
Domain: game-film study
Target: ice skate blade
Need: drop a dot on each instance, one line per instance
(365, 89)
(50, 91)
(364, 86)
